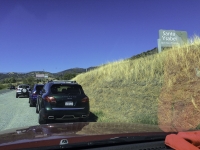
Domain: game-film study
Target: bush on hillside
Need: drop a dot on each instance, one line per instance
(69, 76)
(30, 81)
(2, 86)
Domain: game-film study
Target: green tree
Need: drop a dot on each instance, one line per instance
(69, 76)
(29, 80)
(2, 81)
(6, 80)
(2, 86)
(13, 80)
(38, 80)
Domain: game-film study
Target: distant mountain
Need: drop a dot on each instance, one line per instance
(91, 68)
(75, 70)
(144, 54)
(53, 75)
(2, 75)
(71, 70)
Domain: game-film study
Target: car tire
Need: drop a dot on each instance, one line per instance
(30, 105)
(41, 120)
(37, 110)
(83, 119)
(17, 96)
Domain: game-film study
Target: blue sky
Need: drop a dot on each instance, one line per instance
(56, 35)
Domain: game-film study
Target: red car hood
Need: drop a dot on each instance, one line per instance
(52, 134)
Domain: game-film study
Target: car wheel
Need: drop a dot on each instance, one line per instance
(83, 119)
(16, 95)
(41, 120)
(37, 108)
(30, 104)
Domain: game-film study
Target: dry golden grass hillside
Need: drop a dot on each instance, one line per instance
(158, 89)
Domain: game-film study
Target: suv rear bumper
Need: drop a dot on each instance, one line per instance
(66, 113)
(33, 99)
(22, 94)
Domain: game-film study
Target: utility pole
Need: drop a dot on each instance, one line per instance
(43, 77)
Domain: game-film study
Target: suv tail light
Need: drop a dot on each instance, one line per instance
(84, 100)
(50, 99)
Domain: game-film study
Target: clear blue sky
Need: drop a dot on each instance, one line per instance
(56, 35)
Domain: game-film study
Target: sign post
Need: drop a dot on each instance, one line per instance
(46, 76)
(39, 76)
(169, 38)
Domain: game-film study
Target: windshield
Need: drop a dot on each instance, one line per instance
(117, 62)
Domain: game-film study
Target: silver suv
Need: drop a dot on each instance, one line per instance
(23, 90)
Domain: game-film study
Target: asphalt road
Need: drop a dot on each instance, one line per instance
(5, 91)
(15, 112)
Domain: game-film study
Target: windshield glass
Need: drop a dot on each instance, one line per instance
(123, 63)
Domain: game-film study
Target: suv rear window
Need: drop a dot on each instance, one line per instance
(65, 89)
(23, 86)
(39, 87)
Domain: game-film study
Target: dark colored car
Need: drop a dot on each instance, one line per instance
(34, 93)
(62, 100)
(12, 87)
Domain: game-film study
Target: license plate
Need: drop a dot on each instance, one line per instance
(68, 103)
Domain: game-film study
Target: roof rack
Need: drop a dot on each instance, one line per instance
(65, 81)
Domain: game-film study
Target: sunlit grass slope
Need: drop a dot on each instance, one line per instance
(130, 90)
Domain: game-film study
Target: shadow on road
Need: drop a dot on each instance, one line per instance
(92, 118)
(23, 97)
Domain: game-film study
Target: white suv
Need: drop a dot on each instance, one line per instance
(22, 89)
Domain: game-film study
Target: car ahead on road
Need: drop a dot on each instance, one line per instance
(12, 87)
(34, 93)
(23, 90)
(62, 100)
